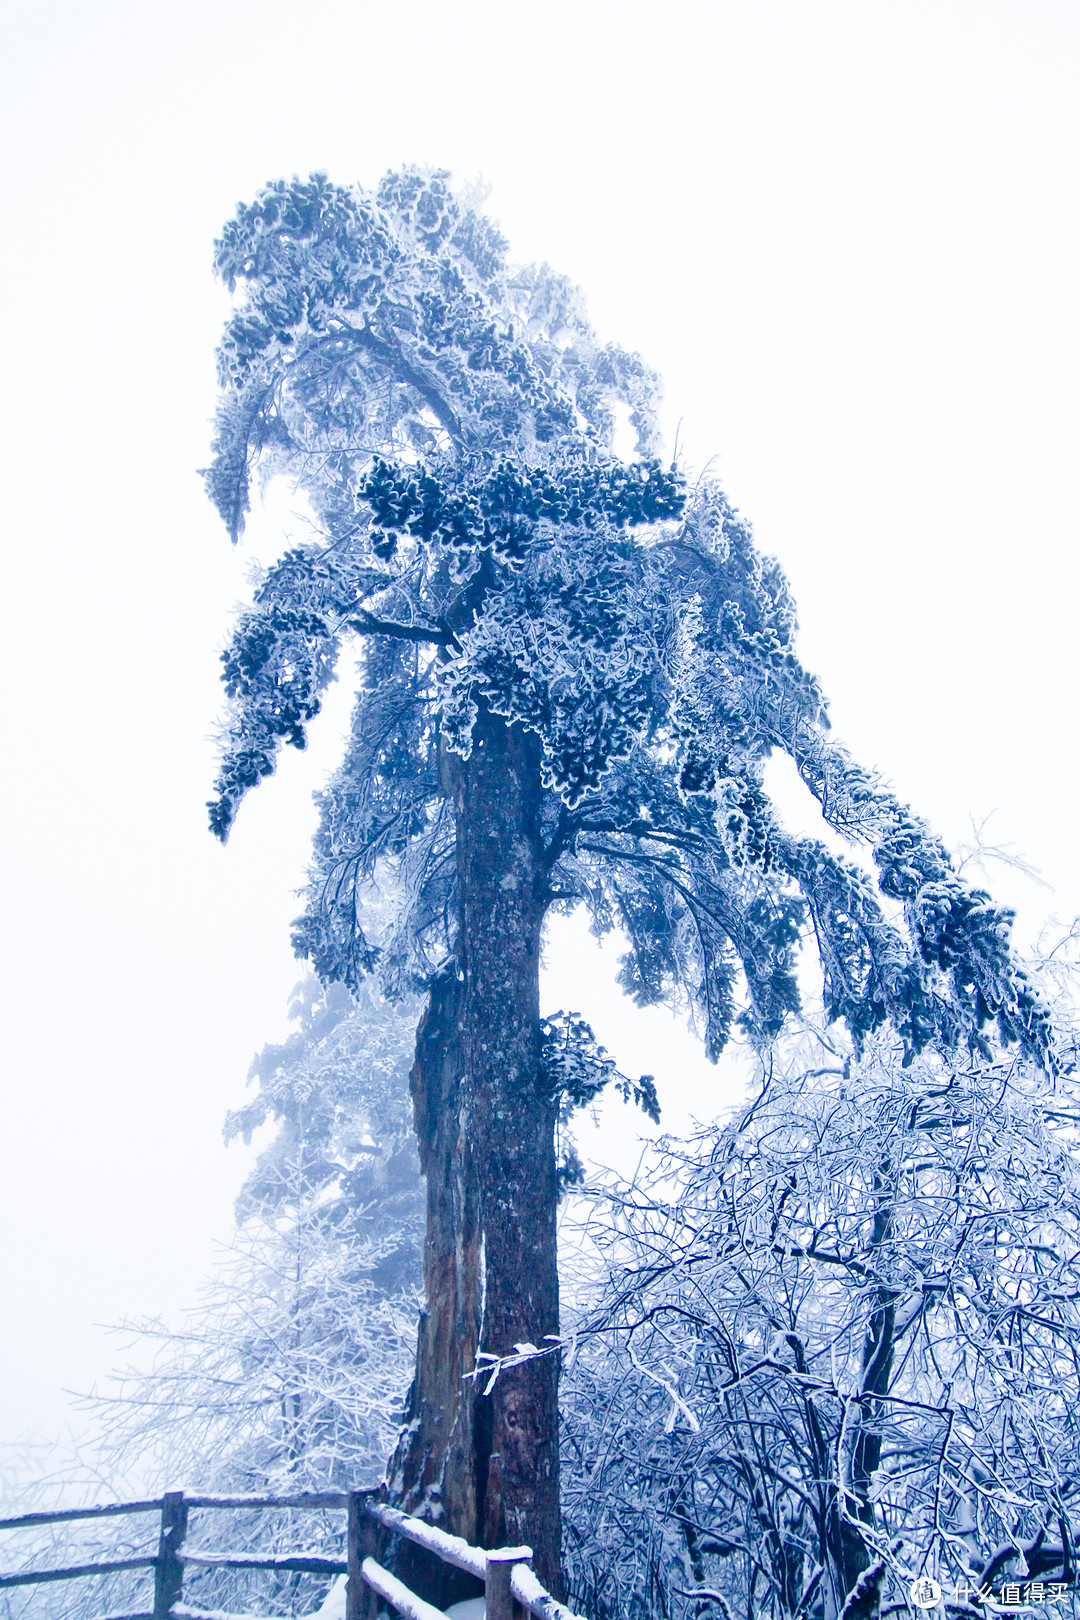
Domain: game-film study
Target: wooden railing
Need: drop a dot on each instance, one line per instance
(511, 1588)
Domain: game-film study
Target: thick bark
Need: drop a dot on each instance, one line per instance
(433, 1472)
(487, 1129)
(511, 1125)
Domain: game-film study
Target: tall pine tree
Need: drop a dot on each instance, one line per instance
(573, 669)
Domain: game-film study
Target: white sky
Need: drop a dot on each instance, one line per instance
(846, 234)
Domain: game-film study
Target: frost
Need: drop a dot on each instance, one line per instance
(494, 546)
(855, 1303)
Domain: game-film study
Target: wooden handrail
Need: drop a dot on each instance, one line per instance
(300, 1563)
(397, 1594)
(38, 1577)
(451, 1549)
(28, 1520)
(505, 1571)
(306, 1499)
(534, 1597)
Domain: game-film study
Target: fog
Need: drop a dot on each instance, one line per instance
(847, 236)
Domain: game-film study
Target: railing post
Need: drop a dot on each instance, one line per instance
(498, 1599)
(361, 1603)
(169, 1571)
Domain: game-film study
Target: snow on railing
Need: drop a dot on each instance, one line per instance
(510, 1585)
(451, 1549)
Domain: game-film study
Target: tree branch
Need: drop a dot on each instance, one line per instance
(368, 625)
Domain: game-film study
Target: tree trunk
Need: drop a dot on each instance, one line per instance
(433, 1471)
(853, 1509)
(487, 1144)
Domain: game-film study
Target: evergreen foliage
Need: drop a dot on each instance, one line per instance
(577, 1069)
(345, 1149)
(450, 418)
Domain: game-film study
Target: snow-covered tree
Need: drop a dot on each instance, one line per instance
(840, 1349)
(289, 1376)
(290, 1373)
(573, 670)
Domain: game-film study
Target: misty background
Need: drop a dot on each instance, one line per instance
(847, 236)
